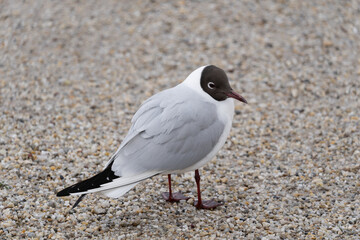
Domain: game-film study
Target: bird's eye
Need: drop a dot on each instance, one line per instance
(211, 85)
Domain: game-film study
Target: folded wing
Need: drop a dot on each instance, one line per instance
(172, 130)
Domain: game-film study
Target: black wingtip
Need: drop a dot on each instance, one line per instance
(107, 175)
(78, 201)
(63, 193)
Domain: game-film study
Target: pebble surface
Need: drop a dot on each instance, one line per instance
(72, 74)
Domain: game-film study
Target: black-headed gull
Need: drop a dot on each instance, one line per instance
(177, 130)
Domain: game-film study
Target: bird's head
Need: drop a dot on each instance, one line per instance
(214, 82)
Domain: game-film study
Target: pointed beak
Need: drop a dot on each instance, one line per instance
(233, 94)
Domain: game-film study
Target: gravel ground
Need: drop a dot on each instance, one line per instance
(72, 74)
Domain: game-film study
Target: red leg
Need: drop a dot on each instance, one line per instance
(170, 197)
(203, 204)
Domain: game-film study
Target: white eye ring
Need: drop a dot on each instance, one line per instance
(211, 85)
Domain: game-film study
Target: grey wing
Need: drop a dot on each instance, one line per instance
(169, 134)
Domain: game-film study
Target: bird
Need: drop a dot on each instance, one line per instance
(177, 130)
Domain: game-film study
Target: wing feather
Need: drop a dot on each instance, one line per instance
(172, 130)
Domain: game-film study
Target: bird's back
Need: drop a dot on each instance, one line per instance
(172, 130)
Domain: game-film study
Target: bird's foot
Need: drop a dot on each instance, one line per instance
(207, 204)
(176, 197)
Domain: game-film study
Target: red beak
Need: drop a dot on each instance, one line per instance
(233, 94)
